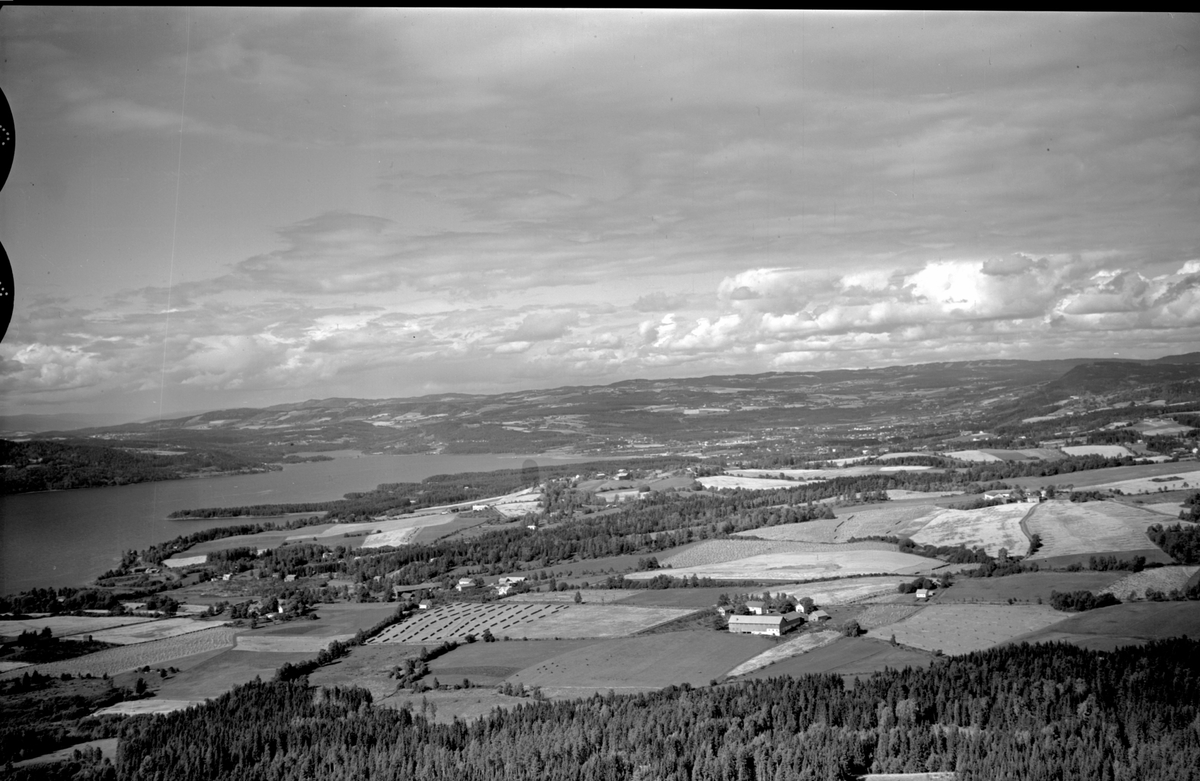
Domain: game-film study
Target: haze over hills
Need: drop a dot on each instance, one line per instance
(675, 415)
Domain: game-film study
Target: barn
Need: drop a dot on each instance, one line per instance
(758, 625)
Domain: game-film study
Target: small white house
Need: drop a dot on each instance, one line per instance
(464, 583)
(756, 608)
(922, 593)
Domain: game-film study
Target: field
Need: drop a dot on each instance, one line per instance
(591, 596)
(1026, 587)
(717, 482)
(885, 521)
(153, 630)
(694, 598)
(851, 656)
(454, 622)
(330, 534)
(1128, 624)
(1108, 451)
(978, 456)
(286, 644)
(1093, 478)
(848, 591)
(990, 528)
(129, 657)
(823, 530)
(803, 566)
(901, 494)
(1068, 528)
(720, 551)
(801, 644)
(66, 626)
(960, 629)
(1169, 509)
(180, 562)
(876, 616)
(642, 663)
(1162, 579)
(488, 664)
(1180, 478)
(146, 707)
(220, 672)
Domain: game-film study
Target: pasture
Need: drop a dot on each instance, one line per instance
(1093, 478)
(977, 456)
(642, 663)
(367, 666)
(303, 644)
(1128, 624)
(129, 657)
(717, 482)
(850, 656)
(990, 528)
(1164, 579)
(800, 644)
(693, 598)
(960, 629)
(1069, 528)
(531, 620)
(823, 530)
(885, 521)
(903, 495)
(803, 566)
(1025, 587)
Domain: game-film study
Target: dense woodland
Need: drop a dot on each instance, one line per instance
(53, 466)
(1023, 713)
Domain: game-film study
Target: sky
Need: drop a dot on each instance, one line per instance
(215, 207)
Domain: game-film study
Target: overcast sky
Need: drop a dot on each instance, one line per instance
(216, 208)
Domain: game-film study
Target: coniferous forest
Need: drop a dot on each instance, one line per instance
(1019, 712)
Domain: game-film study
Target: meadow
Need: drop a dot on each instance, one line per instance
(1164, 579)
(800, 644)
(1025, 587)
(847, 656)
(1132, 623)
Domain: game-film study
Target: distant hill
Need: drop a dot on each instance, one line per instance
(1100, 377)
(61, 422)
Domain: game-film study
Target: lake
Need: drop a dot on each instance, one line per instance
(68, 538)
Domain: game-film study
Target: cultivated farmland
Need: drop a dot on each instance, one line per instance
(719, 551)
(1069, 528)
(516, 620)
(641, 663)
(1128, 624)
(990, 528)
(876, 616)
(717, 482)
(66, 626)
(153, 630)
(850, 656)
(1108, 451)
(960, 629)
(1025, 587)
(488, 664)
(157, 652)
(848, 591)
(802, 643)
(803, 566)
(1154, 483)
(1163, 579)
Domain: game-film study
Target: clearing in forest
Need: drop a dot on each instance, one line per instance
(1069, 528)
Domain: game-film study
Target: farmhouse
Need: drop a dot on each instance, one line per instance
(756, 608)
(922, 593)
(464, 583)
(819, 615)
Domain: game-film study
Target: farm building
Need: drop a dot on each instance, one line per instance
(464, 583)
(819, 615)
(757, 625)
(923, 593)
(756, 608)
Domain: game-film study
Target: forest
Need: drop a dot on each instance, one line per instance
(1014, 713)
(54, 466)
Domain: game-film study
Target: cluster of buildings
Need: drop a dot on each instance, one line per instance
(762, 622)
